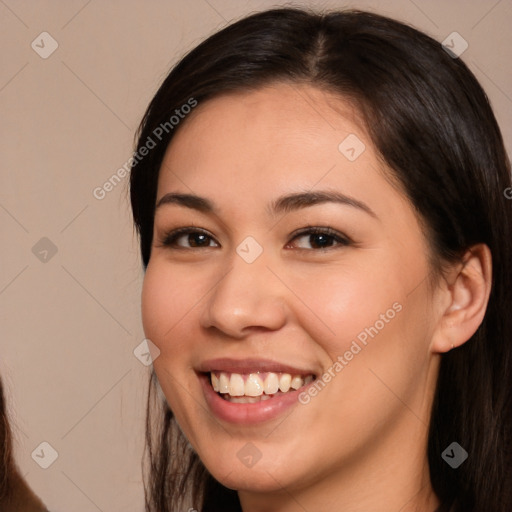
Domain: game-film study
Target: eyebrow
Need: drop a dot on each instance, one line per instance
(283, 204)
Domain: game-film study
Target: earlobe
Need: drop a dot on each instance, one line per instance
(468, 290)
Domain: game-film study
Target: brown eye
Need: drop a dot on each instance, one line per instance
(195, 238)
(321, 238)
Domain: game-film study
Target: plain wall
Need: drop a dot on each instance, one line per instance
(70, 323)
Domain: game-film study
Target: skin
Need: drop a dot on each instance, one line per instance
(361, 442)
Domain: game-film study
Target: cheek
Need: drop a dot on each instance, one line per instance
(154, 304)
(167, 298)
(343, 302)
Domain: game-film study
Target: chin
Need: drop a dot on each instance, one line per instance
(252, 480)
(268, 474)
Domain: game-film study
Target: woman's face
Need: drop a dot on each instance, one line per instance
(251, 294)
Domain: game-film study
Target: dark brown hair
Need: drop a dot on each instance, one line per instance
(6, 457)
(15, 494)
(432, 124)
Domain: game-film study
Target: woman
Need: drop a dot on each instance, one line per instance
(15, 494)
(325, 239)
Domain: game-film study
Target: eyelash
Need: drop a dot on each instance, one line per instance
(169, 239)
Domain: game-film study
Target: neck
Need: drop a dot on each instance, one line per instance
(391, 475)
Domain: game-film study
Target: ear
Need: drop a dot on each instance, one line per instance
(463, 299)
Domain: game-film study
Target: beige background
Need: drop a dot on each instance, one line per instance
(69, 325)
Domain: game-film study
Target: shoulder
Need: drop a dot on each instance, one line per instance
(22, 498)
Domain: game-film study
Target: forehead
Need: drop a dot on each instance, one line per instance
(269, 134)
(288, 108)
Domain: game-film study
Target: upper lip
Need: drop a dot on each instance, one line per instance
(250, 365)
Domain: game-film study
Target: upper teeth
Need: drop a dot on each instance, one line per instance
(255, 384)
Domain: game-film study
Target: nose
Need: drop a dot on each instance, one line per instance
(248, 297)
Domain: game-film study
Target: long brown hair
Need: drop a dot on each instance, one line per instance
(431, 122)
(15, 494)
(7, 461)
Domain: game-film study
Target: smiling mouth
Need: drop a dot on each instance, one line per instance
(256, 387)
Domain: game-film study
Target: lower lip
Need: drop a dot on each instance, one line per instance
(248, 413)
